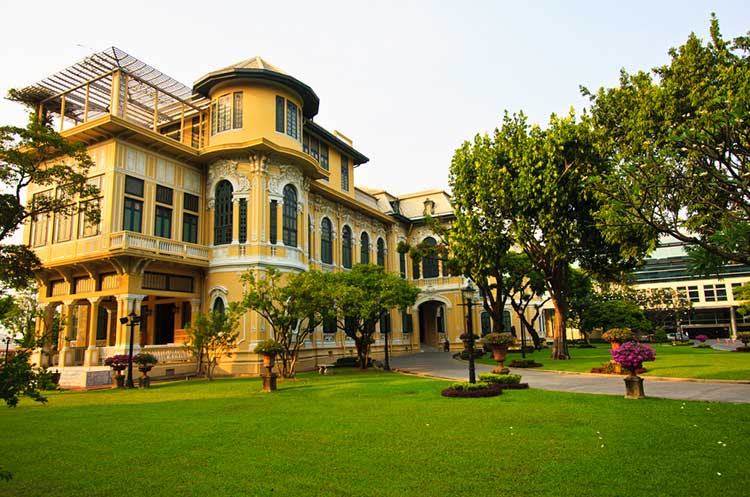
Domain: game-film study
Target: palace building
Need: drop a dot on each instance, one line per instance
(201, 184)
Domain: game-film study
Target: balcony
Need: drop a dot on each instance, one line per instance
(122, 242)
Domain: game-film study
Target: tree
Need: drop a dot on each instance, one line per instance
(617, 313)
(37, 155)
(214, 335)
(679, 139)
(479, 238)
(292, 310)
(581, 297)
(525, 285)
(537, 182)
(361, 296)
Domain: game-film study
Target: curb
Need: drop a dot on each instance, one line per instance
(645, 377)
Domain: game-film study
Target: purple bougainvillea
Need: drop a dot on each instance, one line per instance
(632, 355)
(701, 338)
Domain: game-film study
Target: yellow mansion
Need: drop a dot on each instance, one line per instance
(201, 184)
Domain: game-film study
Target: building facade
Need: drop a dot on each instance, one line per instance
(199, 185)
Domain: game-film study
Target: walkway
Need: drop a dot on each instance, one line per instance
(442, 365)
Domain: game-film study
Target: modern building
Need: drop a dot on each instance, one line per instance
(713, 309)
(201, 184)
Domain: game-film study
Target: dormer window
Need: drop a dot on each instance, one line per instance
(429, 207)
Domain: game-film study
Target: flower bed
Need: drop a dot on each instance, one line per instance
(525, 363)
(505, 381)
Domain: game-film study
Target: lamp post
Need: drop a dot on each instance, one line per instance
(468, 295)
(131, 320)
(387, 362)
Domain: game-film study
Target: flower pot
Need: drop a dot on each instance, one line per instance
(268, 360)
(118, 381)
(634, 387)
(499, 352)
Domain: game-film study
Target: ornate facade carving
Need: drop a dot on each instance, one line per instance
(226, 169)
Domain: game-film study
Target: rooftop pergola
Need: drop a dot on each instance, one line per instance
(116, 83)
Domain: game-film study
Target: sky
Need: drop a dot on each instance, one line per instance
(408, 81)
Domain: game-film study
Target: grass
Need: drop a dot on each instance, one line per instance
(372, 434)
(675, 362)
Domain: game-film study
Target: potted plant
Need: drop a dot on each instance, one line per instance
(465, 338)
(118, 363)
(498, 343)
(631, 356)
(618, 336)
(269, 349)
(702, 339)
(145, 362)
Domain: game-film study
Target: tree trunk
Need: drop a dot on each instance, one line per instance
(559, 342)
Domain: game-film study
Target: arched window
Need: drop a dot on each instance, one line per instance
(218, 305)
(223, 213)
(381, 252)
(486, 321)
(364, 242)
(346, 247)
(429, 264)
(326, 237)
(290, 216)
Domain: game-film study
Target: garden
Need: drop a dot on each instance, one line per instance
(368, 434)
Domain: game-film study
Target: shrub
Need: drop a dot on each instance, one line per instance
(464, 354)
(499, 340)
(145, 359)
(632, 355)
(465, 389)
(465, 336)
(351, 362)
(619, 335)
(502, 379)
(269, 347)
(703, 346)
(525, 363)
(744, 337)
(660, 335)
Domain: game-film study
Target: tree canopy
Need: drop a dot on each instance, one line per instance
(361, 296)
(293, 309)
(678, 136)
(37, 155)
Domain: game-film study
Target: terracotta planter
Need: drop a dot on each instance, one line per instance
(499, 352)
(634, 387)
(268, 360)
(118, 381)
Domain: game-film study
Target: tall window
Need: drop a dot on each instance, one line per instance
(133, 208)
(346, 247)
(486, 321)
(163, 217)
(402, 265)
(364, 243)
(344, 174)
(429, 263)
(226, 113)
(190, 221)
(290, 216)
(324, 156)
(309, 236)
(291, 119)
(86, 228)
(381, 252)
(326, 241)
(223, 213)
(243, 220)
(329, 325)
(219, 305)
(385, 323)
(273, 222)
(406, 323)
(279, 114)
(163, 222)
(63, 227)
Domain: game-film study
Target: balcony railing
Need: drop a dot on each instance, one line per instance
(123, 240)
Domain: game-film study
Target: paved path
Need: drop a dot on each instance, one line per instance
(442, 365)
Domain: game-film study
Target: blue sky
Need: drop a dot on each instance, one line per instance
(408, 81)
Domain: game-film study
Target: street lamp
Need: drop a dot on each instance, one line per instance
(131, 320)
(468, 294)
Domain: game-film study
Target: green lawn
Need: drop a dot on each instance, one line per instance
(676, 362)
(373, 434)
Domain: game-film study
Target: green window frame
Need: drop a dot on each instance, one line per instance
(273, 222)
(163, 222)
(344, 173)
(292, 120)
(346, 247)
(132, 217)
(280, 113)
(326, 241)
(364, 252)
(189, 228)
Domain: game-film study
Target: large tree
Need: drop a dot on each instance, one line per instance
(361, 296)
(37, 155)
(680, 141)
(479, 238)
(536, 179)
(525, 286)
(293, 308)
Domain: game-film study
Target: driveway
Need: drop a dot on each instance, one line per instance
(442, 365)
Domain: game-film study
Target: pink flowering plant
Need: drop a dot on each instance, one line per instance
(118, 361)
(632, 355)
(701, 338)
